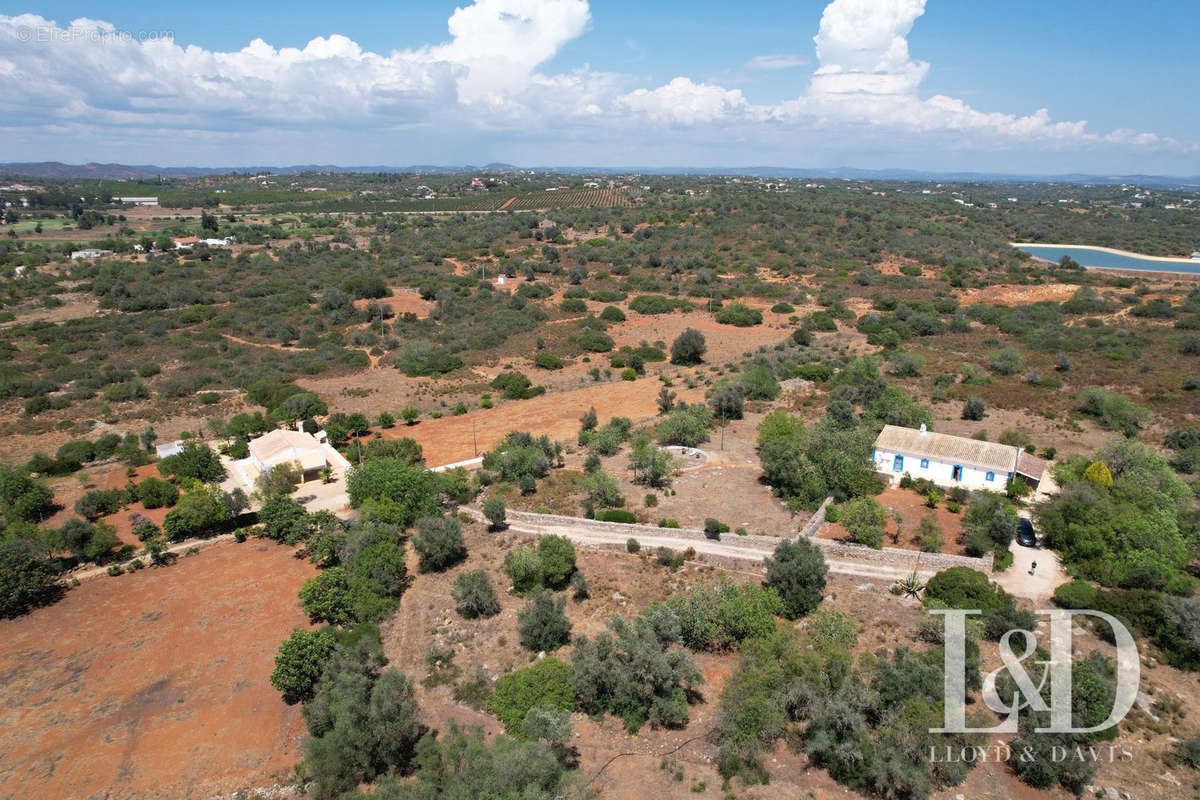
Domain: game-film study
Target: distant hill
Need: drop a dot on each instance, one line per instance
(55, 170)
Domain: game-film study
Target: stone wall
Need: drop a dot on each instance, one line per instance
(896, 557)
(634, 530)
(816, 521)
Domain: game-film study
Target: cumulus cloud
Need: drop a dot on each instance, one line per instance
(84, 82)
(863, 47)
(682, 101)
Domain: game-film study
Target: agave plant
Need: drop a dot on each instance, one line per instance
(912, 586)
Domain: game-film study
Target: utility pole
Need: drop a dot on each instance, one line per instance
(474, 441)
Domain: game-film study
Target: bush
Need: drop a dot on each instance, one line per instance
(439, 543)
(98, 503)
(740, 315)
(494, 512)
(713, 528)
(363, 722)
(1006, 362)
(686, 426)
(546, 360)
(612, 314)
(197, 513)
(631, 671)
(393, 490)
(688, 348)
(516, 386)
(300, 661)
(632, 546)
(726, 401)
(974, 408)
(557, 557)
(720, 617)
(616, 515)
(820, 373)
(653, 304)
(27, 578)
(284, 520)
(797, 573)
(542, 625)
(864, 518)
(474, 595)
(758, 383)
(963, 587)
(366, 585)
(156, 493)
(524, 568)
(1113, 411)
(545, 683)
(990, 523)
(196, 460)
(419, 358)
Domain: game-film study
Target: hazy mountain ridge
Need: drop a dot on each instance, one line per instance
(56, 170)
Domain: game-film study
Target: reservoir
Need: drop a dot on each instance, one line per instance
(1105, 258)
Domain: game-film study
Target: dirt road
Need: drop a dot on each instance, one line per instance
(732, 549)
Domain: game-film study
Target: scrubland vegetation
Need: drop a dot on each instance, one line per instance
(867, 306)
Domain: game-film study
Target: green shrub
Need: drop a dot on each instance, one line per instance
(722, 616)
(1076, 594)
(524, 568)
(612, 314)
(544, 683)
(546, 360)
(542, 625)
(797, 573)
(474, 595)
(300, 661)
(439, 543)
(864, 518)
(616, 515)
(740, 315)
(556, 555)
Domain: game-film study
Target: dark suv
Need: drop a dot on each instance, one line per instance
(1025, 535)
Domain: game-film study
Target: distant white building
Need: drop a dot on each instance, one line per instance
(952, 460)
(137, 201)
(90, 252)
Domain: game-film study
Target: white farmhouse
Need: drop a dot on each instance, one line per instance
(286, 446)
(952, 460)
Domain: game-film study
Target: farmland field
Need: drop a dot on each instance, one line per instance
(154, 684)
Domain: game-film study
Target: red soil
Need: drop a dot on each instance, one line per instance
(449, 439)
(154, 684)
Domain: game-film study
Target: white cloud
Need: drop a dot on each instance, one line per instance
(83, 83)
(776, 61)
(682, 101)
(863, 47)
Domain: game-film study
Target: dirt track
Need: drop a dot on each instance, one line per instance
(737, 550)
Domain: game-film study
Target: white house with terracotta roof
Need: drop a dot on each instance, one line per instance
(952, 460)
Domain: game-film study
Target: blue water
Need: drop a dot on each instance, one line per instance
(1089, 257)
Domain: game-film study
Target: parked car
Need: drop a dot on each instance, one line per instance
(1025, 535)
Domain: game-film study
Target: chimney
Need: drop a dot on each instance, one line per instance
(922, 427)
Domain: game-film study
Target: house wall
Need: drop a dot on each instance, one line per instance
(940, 472)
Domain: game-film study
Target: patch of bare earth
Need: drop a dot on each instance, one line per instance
(154, 684)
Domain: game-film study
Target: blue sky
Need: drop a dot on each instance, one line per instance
(923, 84)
